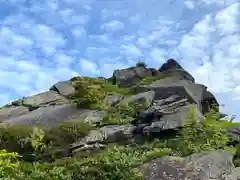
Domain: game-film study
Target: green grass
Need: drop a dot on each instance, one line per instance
(120, 161)
(90, 92)
(150, 80)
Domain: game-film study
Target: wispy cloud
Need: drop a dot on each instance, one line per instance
(43, 42)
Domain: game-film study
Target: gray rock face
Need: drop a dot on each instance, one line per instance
(166, 114)
(234, 134)
(106, 134)
(208, 101)
(92, 116)
(131, 76)
(52, 115)
(176, 69)
(12, 111)
(154, 72)
(213, 165)
(145, 98)
(166, 87)
(42, 99)
(113, 100)
(171, 64)
(65, 88)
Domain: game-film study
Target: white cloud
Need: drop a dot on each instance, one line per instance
(63, 59)
(103, 38)
(217, 37)
(189, 4)
(79, 32)
(47, 38)
(228, 19)
(73, 18)
(43, 43)
(157, 55)
(114, 25)
(88, 66)
(131, 50)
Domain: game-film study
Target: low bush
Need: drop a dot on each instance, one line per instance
(141, 64)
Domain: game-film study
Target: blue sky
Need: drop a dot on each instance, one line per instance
(46, 41)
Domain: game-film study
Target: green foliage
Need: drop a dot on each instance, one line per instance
(151, 79)
(37, 171)
(36, 139)
(115, 162)
(117, 115)
(86, 95)
(67, 132)
(11, 139)
(123, 113)
(42, 144)
(200, 136)
(236, 159)
(141, 64)
(112, 89)
(90, 92)
(8, 164)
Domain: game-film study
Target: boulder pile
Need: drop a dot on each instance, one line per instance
(162, 99)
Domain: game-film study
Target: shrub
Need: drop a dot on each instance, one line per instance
(200, 136)
(8, 164)
(12, 139)
(151, 79)
(123, 113)
(141, 64)
(68, 132)
(236, 159)
(86, 94)
(37, 171)
(115, 162)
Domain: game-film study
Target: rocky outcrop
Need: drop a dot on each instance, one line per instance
(160, 105)
(113, 100)
(41, 99)
(52, 115)
(106, 134)
(155, 108)
(173, 67)
(141, 99)
(171, 64)
(131, 76)
(12, 111)
(64, 88)
(214, 165)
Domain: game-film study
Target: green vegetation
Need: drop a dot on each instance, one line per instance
(90, 92)
(116, 162)
(42, 153)
(42, 143)
(151, 79)
(141, 64)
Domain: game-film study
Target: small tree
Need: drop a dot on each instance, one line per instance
(8, 164)
(141, 64)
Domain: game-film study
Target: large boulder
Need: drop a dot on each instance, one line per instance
(12, 111)
(172, 85)
(65, 88)
(114, 99)
(145, 98)
(41, 99)
(209, 102)
(106, 134)
(166, 114)
(130, 76)
(50, 116)
(172, 66)
(212, 165)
